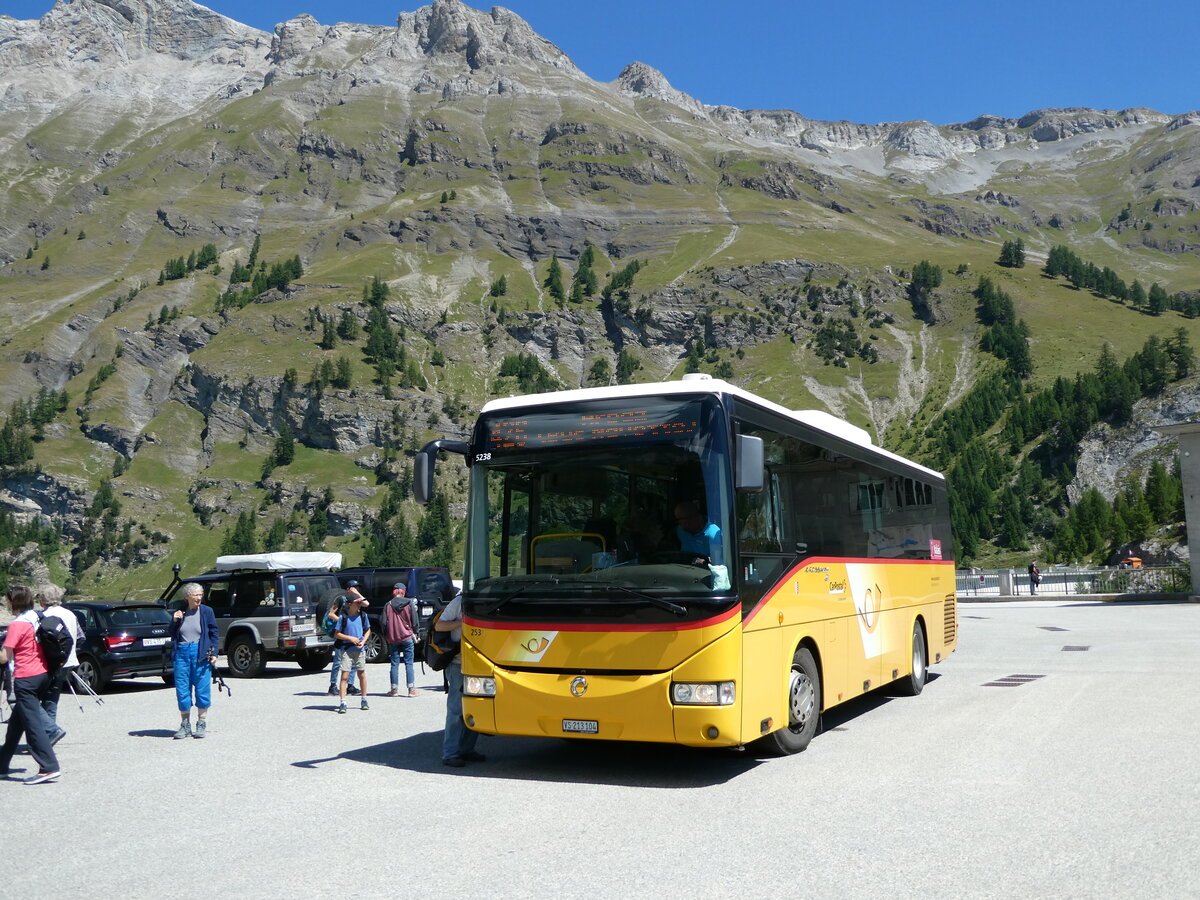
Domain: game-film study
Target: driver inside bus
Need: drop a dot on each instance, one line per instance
(698, 536)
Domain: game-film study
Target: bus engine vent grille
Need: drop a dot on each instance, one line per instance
(951, 620)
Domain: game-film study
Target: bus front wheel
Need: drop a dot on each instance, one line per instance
(915, 682)
(804, 707)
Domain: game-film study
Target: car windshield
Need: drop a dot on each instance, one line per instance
(139, 615)
(601, 503)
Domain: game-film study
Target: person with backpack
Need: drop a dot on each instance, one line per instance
(329, 626)
(195, 640)
(52, 606)
(458, 742)
(329, 622)
(399, 624)
(31, 683)
(353, 630)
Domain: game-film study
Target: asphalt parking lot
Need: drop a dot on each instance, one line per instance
(1080, 782)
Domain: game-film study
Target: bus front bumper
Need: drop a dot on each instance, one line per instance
(601, 707)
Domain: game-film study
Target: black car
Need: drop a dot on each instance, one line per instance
(121, 641)
(431, 585)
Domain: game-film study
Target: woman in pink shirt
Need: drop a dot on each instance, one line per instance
(31, 684)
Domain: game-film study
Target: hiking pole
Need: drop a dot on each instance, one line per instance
(221, 685)
(70, 684)
(87, 688)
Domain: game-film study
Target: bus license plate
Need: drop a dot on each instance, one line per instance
(581, 726)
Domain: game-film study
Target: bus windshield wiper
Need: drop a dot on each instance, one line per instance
(524, 589)
(660, 602)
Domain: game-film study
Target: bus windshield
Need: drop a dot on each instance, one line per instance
(605, 504)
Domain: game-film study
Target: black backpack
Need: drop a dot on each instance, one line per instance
(56, 640)
(439, 649)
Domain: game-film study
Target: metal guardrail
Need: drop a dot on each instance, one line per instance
(1076, 580)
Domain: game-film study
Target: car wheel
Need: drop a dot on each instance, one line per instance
(314, 660)
(913, 684)
(91, 673)
(804, 708)
(376, 648)
(244, 658)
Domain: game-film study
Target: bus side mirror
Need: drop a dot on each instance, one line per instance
(749, 476)
(424, 463)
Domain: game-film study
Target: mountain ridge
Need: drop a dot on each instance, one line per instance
(458, 157)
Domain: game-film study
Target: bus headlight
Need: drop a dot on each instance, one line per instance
(479, 686)
(690, 693)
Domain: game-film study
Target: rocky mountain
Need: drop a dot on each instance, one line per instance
(453, 159)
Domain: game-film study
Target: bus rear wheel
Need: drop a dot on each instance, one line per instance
(804, 708)
(915, 682)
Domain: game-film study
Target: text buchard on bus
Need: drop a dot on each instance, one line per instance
(686, 562)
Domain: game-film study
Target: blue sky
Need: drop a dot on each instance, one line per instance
(862, 60)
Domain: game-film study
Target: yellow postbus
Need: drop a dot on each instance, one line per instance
(687, 562)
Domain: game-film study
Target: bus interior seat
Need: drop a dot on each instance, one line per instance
(605, 527)
(565, 553)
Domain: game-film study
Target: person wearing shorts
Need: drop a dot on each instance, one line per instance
(353, 630)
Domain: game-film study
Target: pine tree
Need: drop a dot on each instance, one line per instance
(285, 446)
(600, 373)
(1157, 300)
(1012, 254)
(329, 335)
(242, 538)
(347, 328)
(276, 536)
(1160, 497)
(554, 281)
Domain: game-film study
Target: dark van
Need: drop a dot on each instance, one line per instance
(431, 585)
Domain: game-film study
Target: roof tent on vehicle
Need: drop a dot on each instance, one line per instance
(280, 561)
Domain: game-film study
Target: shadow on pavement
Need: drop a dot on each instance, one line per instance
(153, 732)
(560, 760)
(270, 674)
(122, 686)
(618, 763)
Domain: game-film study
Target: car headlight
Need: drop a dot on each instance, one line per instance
(479, 686)
(704, 693)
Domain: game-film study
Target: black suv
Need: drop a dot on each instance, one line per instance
(265, 615)
(121, 641)
(431, 585)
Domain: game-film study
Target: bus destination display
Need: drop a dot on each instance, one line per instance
(561, 429)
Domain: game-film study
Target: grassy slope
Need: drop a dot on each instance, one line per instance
(717, 226)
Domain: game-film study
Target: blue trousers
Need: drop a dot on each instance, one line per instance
(336, 667)
(192, 674)
(458, 739)
(404, 650)
(29, 719)
(50, 705)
